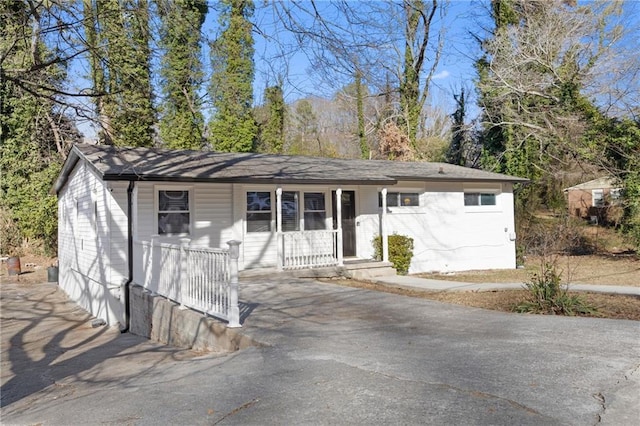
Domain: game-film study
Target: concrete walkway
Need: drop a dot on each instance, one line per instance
(412, 282)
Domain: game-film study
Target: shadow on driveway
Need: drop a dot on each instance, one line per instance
(45, 339)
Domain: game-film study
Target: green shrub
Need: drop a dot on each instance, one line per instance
(400, 251)
(548, 296)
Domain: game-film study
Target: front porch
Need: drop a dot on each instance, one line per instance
(325, 248)
(351, 268)
(206, 279)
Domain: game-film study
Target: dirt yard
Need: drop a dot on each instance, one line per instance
(610, 269)
(621, 270)
(34, 270)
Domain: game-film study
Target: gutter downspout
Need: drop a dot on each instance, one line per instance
(127, 284)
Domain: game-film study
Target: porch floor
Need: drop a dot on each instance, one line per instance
(353, 268)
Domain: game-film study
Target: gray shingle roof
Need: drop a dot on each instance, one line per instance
(156, 164)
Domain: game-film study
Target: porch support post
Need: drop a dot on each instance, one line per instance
(339, 226)
(279, 236)
(234, 308)
(383, 227)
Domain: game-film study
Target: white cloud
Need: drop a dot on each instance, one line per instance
(441, 75)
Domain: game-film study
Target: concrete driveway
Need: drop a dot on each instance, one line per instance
(329, 355)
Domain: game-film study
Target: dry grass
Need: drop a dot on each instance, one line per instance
(34, 270)
(608, 306)
(611, 269)
(615, 267)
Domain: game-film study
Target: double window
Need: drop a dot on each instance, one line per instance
(400, 199)
(174, 217)
(300, 211)
(479, 199)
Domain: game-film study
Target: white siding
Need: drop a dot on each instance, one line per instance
(447, 235)
(367, 223)
(210, 210)
(213, 215)
(258, 249)
(92, 243)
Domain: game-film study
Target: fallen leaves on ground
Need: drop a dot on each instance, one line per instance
(608, 306)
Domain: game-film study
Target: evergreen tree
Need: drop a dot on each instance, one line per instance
(233, 127)
(529, 86)
(456, 154)
(121, 70)
(538, 121)
(34, 134)
(350, 119)
(181, 120)
(271, 127)
(495, 138)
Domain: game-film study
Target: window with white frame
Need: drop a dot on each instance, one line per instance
(616, 195)
(290, 211)
(174, 216)
(480, 198)
(315, 212)
(400, 199)
(259, 211)
(597, 197)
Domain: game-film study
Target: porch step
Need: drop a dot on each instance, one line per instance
(368, 270)
(355, 269)
(352, 269)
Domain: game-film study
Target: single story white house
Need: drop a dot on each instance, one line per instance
(287, 212)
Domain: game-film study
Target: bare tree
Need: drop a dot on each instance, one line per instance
(532, 82)
(365, 43)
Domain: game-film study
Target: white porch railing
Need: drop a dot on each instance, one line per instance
(309, 249)
(205, 279)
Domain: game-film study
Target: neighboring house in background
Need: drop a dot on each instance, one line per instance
(116, 204)
(596, 200)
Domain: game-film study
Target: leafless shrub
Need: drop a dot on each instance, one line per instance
(10, 238)
(394, 143)
(548, 237)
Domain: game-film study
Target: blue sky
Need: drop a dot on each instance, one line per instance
(454, 71)
(456, 67)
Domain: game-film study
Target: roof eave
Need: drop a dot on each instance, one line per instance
(65, 172)
(441, 178)
(244, 180)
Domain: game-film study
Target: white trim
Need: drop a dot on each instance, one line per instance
(304, 211)
(272, 220)
(399, 206)
(338, 218)
(600, 198)
(485, 188)
(156, 206)
(383, 226)
(279, 236)
(301, 190)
